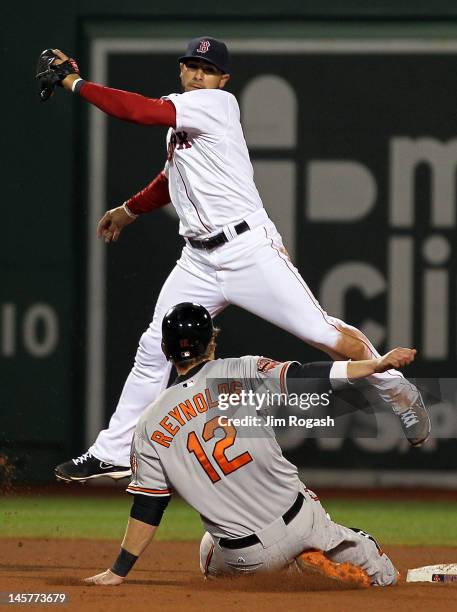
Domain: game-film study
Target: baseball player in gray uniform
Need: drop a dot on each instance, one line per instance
(233, 253)
(256, 512)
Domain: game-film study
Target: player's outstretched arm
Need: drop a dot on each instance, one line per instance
(124, 105)
(397, 358)
(145, 516)
(137, 538)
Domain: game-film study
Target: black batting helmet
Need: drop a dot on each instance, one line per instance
(187, 329)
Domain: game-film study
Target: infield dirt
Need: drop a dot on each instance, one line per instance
(167, 577)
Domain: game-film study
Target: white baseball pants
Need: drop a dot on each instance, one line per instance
(252, 271)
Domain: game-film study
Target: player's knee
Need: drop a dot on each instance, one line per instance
(206, 552)
(351, 342)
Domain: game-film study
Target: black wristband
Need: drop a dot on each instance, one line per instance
(124, 563)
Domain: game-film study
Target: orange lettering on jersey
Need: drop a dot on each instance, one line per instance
(200, 402)
(227, 465)
(168, 426)
(223, 388)
(187, 410)
(161, 438)
(235, 387)
(211, 403)
(175, 414)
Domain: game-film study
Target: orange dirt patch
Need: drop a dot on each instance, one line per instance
(167, 577)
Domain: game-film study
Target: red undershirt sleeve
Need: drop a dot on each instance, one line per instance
(129, 106)
(154, 195)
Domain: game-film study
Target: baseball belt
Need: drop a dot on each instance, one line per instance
(252, 539)
(218, 239)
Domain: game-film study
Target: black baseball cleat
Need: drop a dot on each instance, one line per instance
(87, 467)
(415, 422)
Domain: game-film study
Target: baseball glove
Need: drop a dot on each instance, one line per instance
(49, 75)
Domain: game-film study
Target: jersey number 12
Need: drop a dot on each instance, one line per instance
(227, 466)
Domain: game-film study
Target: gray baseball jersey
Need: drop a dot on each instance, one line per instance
(237, 483)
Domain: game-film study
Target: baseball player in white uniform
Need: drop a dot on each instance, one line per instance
(256, 512)
(233, 253)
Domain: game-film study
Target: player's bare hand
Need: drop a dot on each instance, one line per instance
(60, 55)
(106, 578)
(397, 358)
(112, 223)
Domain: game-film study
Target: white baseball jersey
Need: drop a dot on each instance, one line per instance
(211, 179)
(238, 484)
